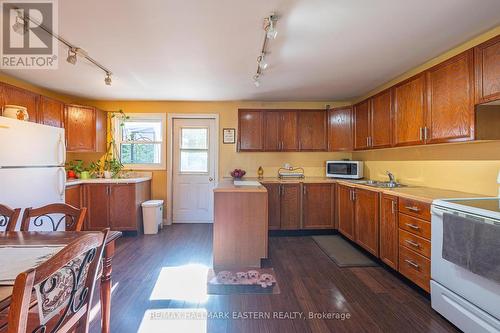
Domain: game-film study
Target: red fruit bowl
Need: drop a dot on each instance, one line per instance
(238, 173)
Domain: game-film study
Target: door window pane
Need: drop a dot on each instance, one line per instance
(194, 161)
(194, 138)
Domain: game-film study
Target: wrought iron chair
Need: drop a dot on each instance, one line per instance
(63, 287)
(54, 215)
(8, 217)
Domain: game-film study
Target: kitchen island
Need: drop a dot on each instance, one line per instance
(240, 226)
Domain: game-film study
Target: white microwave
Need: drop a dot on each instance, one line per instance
(344, 169)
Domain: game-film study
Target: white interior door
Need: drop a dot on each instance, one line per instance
(194, 169)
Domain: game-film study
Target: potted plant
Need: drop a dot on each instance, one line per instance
(95, 169)
(112, 167)
(74, 169)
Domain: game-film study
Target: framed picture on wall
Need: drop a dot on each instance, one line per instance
(229, 135)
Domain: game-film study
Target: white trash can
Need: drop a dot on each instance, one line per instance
(152, 216)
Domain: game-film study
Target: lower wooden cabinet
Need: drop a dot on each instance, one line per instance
(345, 210)
(290, 207)
(274, 204)
(366, 219)
(317, 206)
(388, 235)
(73, 195)
(415, 267)
(115, 206)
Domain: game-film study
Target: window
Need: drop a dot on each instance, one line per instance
(194, 150)
(140, 141)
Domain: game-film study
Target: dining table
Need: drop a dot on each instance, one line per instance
(62, 238)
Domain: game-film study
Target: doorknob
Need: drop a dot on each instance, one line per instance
(210, 179)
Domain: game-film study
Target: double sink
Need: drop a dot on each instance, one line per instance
(379, 184)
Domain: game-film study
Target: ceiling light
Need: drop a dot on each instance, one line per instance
(107, 79)
(71, 56)
(262, 62)
(271, 31)
(256, 81)
(19, 26)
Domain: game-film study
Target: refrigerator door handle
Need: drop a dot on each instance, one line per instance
(62, 181)
(62, 150)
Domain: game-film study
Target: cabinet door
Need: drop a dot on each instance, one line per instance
(80, 128)
(16, 96)
(381, 120)
(101, 131)
(250, 130)
(389, 230)
(487, 66)
(409, 111)
(340, 129)
(51, 112)
(450, 97)
(97, 202)
(345, 210)
(274, 203)
(122, 207)
(367, 220)
(290, 206)
(317, 206)
(272, 140)
(312, 130)
(362, 125)
(288, 131)
(73, 196)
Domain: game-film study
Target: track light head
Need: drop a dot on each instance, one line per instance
(262, 62)
(256, 81)
(71, 56)
(107, 79)
(271, 31)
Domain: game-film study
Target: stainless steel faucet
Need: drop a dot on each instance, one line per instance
(392, 179)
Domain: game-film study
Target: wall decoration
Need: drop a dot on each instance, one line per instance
(229, 135)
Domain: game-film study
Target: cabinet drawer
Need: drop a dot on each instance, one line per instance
(415, 226)
(415, 208)
(417, 244)
(415, 267)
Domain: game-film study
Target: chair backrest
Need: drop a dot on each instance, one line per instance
(9, 217)
(63, 287)
(53, 215)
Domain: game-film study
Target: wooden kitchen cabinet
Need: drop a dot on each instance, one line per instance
(73, 195)
(115, 206)
(318, 206)
(51, 112)
(85, 129)
(450, 100)
(274, 205)
(11, 95)
(290, 206)
(381, 120)
(388, 236)
(340, 129)
(280, 130)
(272, 138)
(312, 130)
(288, 130)
(362, 125)
(250, 130)
(345, 210)
(487, 70)
(409, 111)
(366, 217)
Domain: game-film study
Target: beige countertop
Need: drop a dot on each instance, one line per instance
(228, 186)
(107, 181)
(420, 193)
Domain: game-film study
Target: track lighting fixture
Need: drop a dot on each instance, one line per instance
(71, 56)
(107, 79)
(270, 33)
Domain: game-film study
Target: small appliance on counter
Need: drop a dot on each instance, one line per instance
(289, 172)
(344, 169)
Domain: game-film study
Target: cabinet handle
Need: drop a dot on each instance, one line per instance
(413, 209)
(412, 243)
(368, 141)
(426, 132)
(304, 190)
(393, 207)
(421, 133)
(411, 263)
(280, 190)
(300, 145)
(412, 226)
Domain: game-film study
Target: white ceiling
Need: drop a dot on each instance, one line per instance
(207, 49)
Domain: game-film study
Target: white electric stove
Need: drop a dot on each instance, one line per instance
(471, 302)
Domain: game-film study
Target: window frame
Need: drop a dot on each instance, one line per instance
(146, 117)
(207, 150)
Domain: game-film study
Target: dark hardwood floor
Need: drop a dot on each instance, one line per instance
(374, 299)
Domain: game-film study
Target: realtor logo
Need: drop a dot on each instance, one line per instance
(27, 42)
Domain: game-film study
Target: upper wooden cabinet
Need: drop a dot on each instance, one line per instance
(272, 139)
(340, 129)
(250, 130)
(381, 120)
(51, 112)
(280, 130)
(11, 95)
(85, 129)
(409, 111)
(312, 130)
(450, 97)
(487, 68)
(362, 125)
(317, 206)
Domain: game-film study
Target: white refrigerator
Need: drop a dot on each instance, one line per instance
(32, 158)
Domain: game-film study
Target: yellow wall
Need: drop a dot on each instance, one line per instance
(469, 167)
(229, 159)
